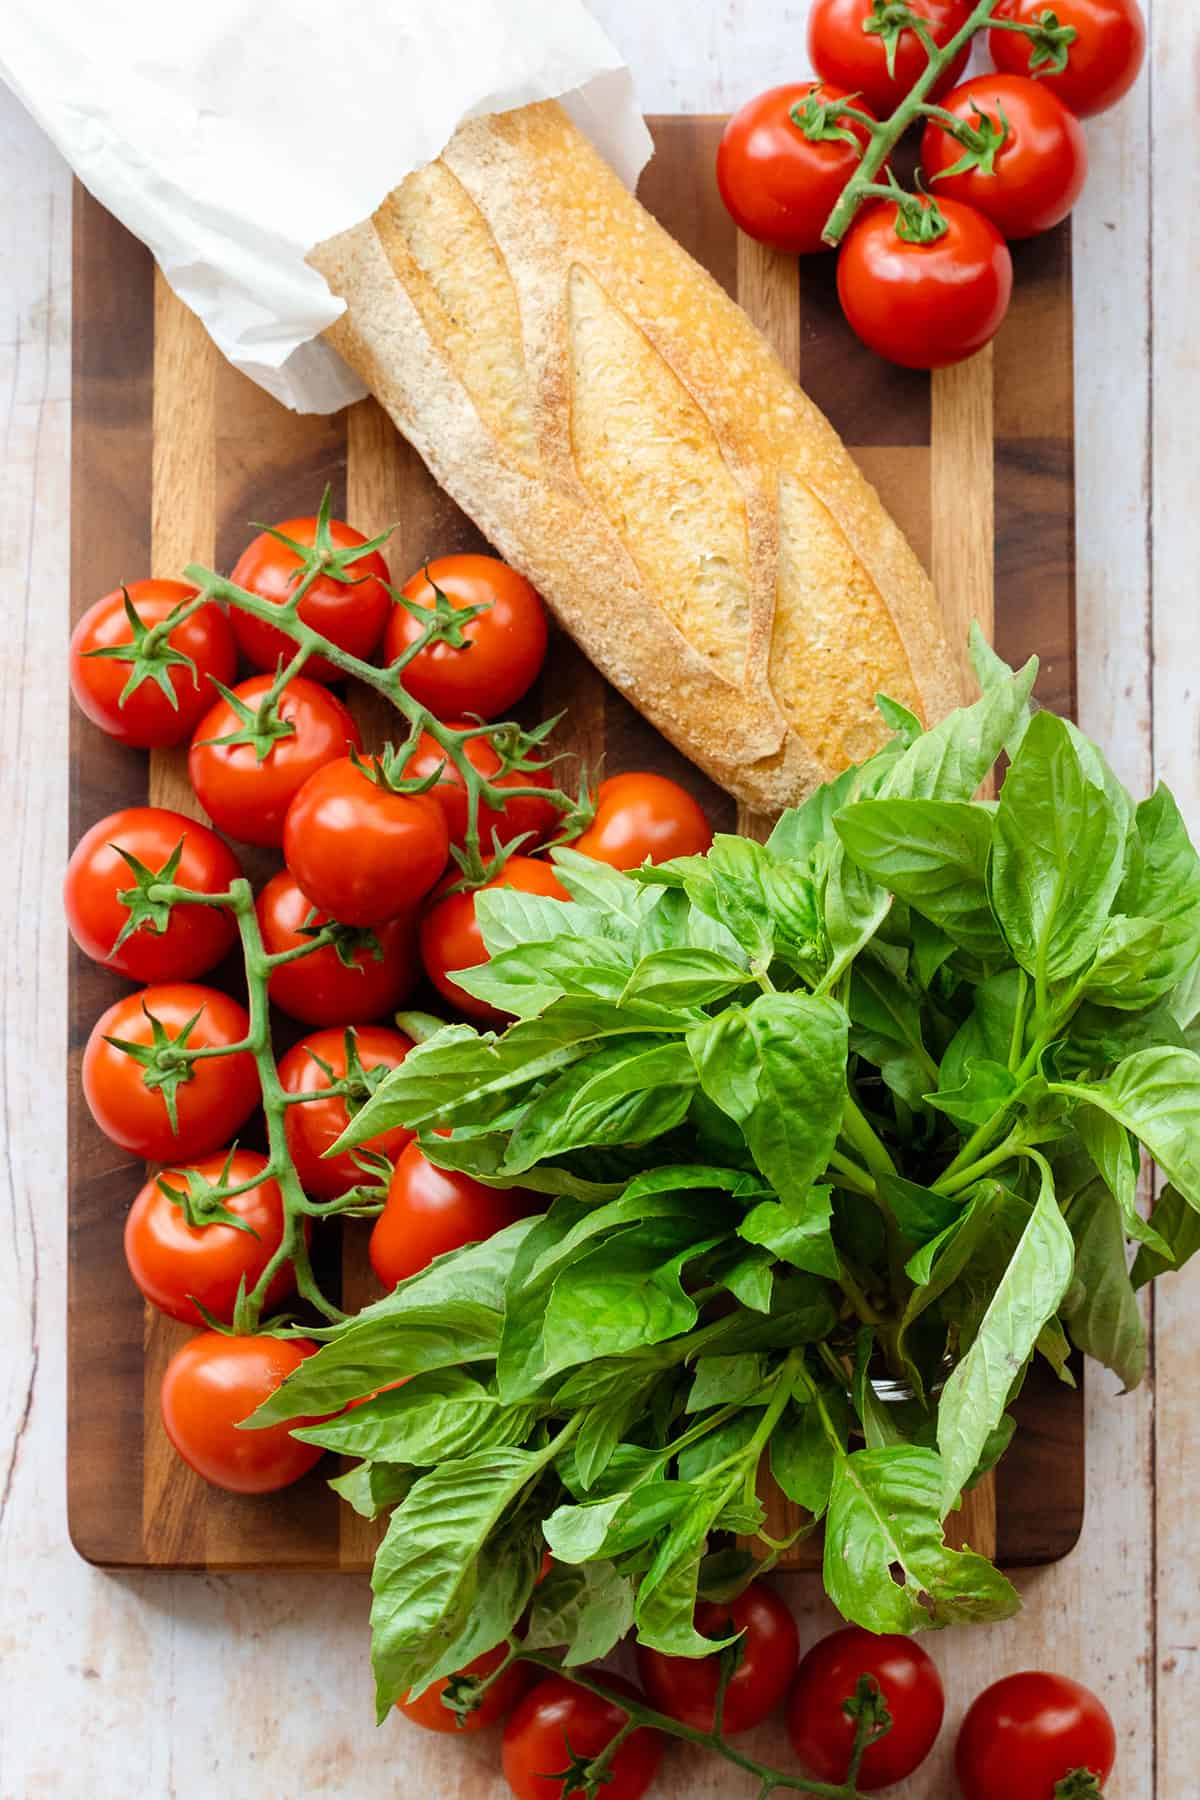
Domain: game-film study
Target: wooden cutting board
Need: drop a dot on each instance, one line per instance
(173, 453)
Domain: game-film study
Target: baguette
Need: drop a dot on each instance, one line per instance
(622, 434)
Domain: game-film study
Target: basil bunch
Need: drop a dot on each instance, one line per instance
(867, 1098)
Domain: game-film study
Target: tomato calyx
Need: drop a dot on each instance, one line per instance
(147, 910)
(350, 943)
(822, 121)
(1049, 41)
(202, 1202)
(166, 1062)
(888, 19)
(868, 1707)
(261, 726)
(980, 141)
(150, 655)
(323, 556)
(1080, 1784)
(442, 623)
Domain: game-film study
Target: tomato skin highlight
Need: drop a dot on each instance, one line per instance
(823, 1736)
(856, 61)
(525, 814)
(247, 798)
(644, 818)
(314, 1125)
(211, 1106)
(1027, 1732)
(556, 1720)
(211, 1384)
(1103, 62)
(320, 989)
(686, 1688)
(148, 721)
(777, 185)
(175, 1264)
(196, 937)
(925, 306)
(505, 646)
(359, 850)
(498, 1702)
(1040, 169)
(350, 616)
(450, 934)
(430, 1211)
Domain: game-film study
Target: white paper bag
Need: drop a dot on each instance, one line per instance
(233, 136)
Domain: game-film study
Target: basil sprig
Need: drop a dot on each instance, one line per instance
(863, 1101)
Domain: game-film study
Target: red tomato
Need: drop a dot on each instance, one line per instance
(525, 814)
(248, 796)
(165, 945)
(430, 1211)
(321, 988)
(557, 1721)
(314, 1125)
(505, 646)
(925, 305)
(855, 60)
(148, 720)
(358, 849)
(1025, 1734)
(497, 1703)
(351, 614)
(450, 934)
(127, 1095)
(1039, 169)
(176, 1264)
(686, 1689)
(644, 818)
(214, 1382)
(778, 184)
(1102, 61)
(822, 1734)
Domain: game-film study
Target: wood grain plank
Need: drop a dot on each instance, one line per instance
(1175, 626)
(962, 502)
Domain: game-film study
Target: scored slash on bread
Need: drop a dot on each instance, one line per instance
(620, 431)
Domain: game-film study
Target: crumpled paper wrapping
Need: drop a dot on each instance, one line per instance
(233, 137)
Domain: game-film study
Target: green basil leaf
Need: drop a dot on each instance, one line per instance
(381, 1350)
(1099, 1035)
(951, 761)
(1163, 881)
(510, 918)
(932, 854)
(1057, 856)
(778, 1067)
(1177, 1228)
(991, 670)
(624, 1094)
(606, 1528)
(887, 1566)
(879, 1418)
(722, 1380)
(627, 1292)
(504, 1580)
(666, 1601)
(532, 976)
(1156, 1095)
(985, 1089)
(920, 1213)
(1028, 1294)
(432, 1418)
(588, 1608)
(803, 1456)
(906, 725)
(748, 1273)
(1103, 1316)
(684, 977)
(1114, 1155)
(610, 893)
(987, 1031)
(424, 1581)
(370, 1487)
(798, 1231)
(855, 908)
(802, 828)
(1054, 1345)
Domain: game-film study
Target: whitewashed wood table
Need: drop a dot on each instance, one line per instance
(190, 1686)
